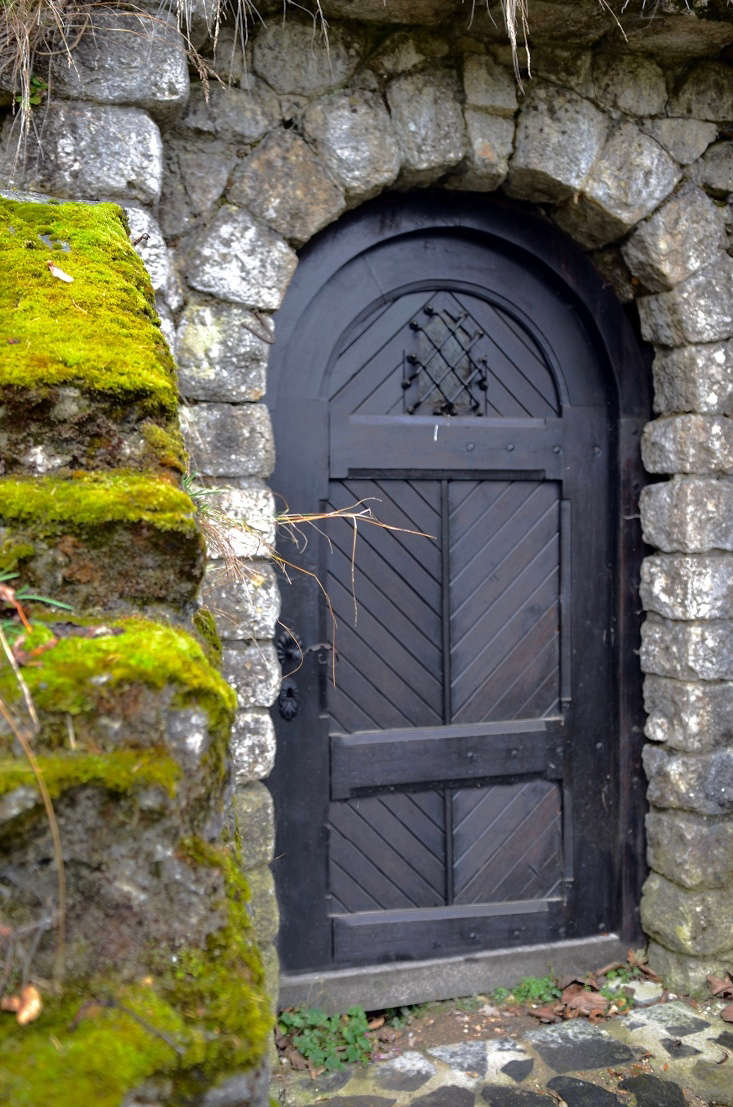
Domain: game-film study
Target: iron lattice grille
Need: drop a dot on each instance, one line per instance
(444, 374)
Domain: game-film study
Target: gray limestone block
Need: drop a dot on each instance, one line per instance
(688, 586)
(195, 174)
(688, 514)
(698, 310)
(399, 53)
(688, 444)
(251, 747)
(682, 236)
(126, 57)
(427, 116)
(254, 819)
(685, 139)
(687, 975)
(701, 782)
(246, 605)
(692, 850)
(630, 83)
(559, 135)
(685, 921)
(564, 66)
(149, 245)
(283, 183)
(222, 351)
(89, 151)
(688, 715)
(244, 1089)
(355, 140)
(237, 258)
(244, 521)
(262, 905)
(717, 169)
(253, 670)
(298, 57)
(271, 967)
(242, 114)
(687, 651)
(490, 142)
(706, 92)
(227, 440)
(694, 378)
(489, 85)
(629, 179)
(399, 11)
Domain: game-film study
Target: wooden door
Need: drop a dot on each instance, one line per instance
(454, 789)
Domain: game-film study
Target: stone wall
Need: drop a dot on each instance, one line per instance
(621, 141)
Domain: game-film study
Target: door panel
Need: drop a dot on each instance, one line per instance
(439, 789)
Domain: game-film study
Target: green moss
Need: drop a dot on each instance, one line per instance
(12, 552)
(76, 673)
(53, 505)
(119, 771)
(204, 624)
(166, 446)
(100, 332)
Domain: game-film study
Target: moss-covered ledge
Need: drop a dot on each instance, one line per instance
(163, 986)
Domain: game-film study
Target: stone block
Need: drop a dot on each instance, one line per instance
(679, 586)
(149, 245)
(253, 670)
(694, 378)
(684, 235)
(706, 92)
(489, 86)
(629, 179)
(246, 605)
(251, 747)
(355, 140)
(283, 183)
(254, 819)
(687, 975)
(490, 143)
(689, 514)
(271, 966)
(559, 136)
(126, 57)
(89, 152)
(698, 310)
(717, 169)
(629, 83)
(687, 651)
(222, 351)
(428, 119)
(610, 264)
(263, 907)
(690, 849)
(237, 114)
(248, 1088)
(688, 715)
(297, 57)
(564, 66)
(700, 782)
(238, 259)
(244, 521)
(685, 139)
(697, 923)
(195, 174)
(227, 440)
(400, 11)
(688, 444)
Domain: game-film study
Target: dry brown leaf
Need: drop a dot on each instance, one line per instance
(721, 986)
(727, 1013)
(31, 1005)
(547, 1013)
(374, 1024)
(10, 1003)
(580, 1001)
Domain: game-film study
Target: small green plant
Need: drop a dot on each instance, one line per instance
(328, 1041)
(531, 989)
(622, 1002)
(37, 89)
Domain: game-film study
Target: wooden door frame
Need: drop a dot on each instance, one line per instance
(620, 354)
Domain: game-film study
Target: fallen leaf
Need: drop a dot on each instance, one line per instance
(31, 1005)
(721, 986)
(59, 273)
(10, 1003)
(544, 1014)
(727, 1013)
(584, 1002)
(374, 1024)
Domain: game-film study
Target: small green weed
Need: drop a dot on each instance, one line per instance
(328, 1040)
(37, 89)
(531, 989)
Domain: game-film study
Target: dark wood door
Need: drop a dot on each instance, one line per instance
(453, 789)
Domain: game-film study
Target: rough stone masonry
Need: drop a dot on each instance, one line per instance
(623, 141)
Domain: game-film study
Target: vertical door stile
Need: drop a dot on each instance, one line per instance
(447, 676)
(566, 695)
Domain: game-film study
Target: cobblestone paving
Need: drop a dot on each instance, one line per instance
(662, 1056)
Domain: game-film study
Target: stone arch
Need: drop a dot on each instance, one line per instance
(618, 148)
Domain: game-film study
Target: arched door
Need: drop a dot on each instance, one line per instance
(446, 780)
